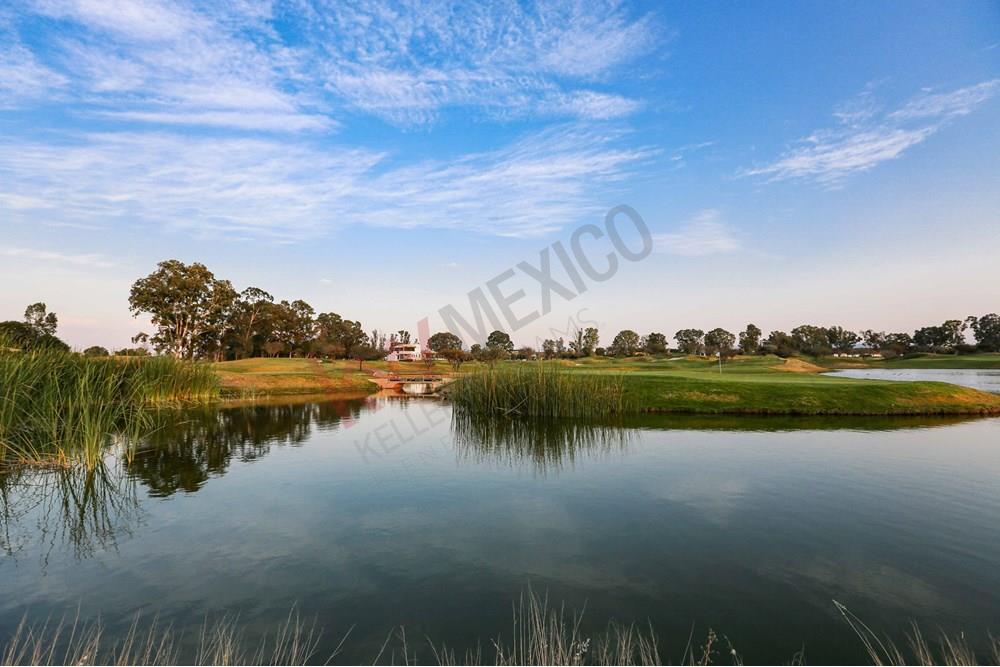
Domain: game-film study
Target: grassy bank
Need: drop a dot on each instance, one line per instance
(274, 377)
(58, 407)
(770, 385)
(745, 385)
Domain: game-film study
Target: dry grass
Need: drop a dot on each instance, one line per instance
(222, 642)
(794, 365)
(918, 651)
(539, 634)
(271, 377)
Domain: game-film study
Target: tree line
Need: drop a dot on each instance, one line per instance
(812, 340)
(196, 315)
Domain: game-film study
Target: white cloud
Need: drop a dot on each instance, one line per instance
(22, 77)
(704, 234)
(868, 137)
(406, 63)
(230, 65)
(89, 260)
(163, 63)
(252, 188)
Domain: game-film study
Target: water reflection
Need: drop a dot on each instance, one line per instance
(84, 511)
(547, 445)
(188, 448)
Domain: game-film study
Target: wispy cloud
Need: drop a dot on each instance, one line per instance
(243, 187)
(704, 234)
(234, 64)
(23, 78)
(89, 260)
(165, 63)
(868, 136)
(409, 62)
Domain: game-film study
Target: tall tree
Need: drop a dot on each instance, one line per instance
(690, 340)
(590, 339)
(874, 340)
(444, 340)
(625, 343)
(249, 313)
(750, 339)
(182, 303)
(720, 341)
(954, 333)
(576, 343)
(38, 318)
(986, 330)
(500, 342)
(842, 340)
(779, 343)
(655, 343)
(811, 340)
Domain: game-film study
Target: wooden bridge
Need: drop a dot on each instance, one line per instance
(409, 382)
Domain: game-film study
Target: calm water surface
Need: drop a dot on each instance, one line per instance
(982, 379)
(381, 513)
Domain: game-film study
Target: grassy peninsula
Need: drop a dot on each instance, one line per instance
(748, 385)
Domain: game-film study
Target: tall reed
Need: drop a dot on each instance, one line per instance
(220, 642)
(59, 407)
(540, 389)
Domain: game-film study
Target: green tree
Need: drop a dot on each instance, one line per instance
(898, 343)
(248, 320)
(842, 340)
(874, 340)
(986, 330)
(38, 318)
(184, 302)
(720, 341)
(750, 339)
(590, 339)
(455, 356)
(655, 343)
(576, 344)
(811, 340)
(779, 343)
(690, 341)
(343, 334)
(444, 340)
(954, 333)
(499, 341)
(95, 351)
(625, 343)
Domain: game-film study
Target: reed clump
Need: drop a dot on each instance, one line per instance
(220, 642)
(540, 389)
(59, 407)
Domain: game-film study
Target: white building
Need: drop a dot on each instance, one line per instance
(405, 352)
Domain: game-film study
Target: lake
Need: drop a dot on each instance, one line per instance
(982, 379)
(379, 512)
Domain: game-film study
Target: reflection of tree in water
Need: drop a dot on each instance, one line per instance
(189, 447)
(84, 509)
(548, 445)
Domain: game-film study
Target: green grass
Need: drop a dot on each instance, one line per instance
(539, 389)
(282, 376)
(746, 385)
(59, 407)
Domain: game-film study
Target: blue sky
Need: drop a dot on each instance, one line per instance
(797, 162)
